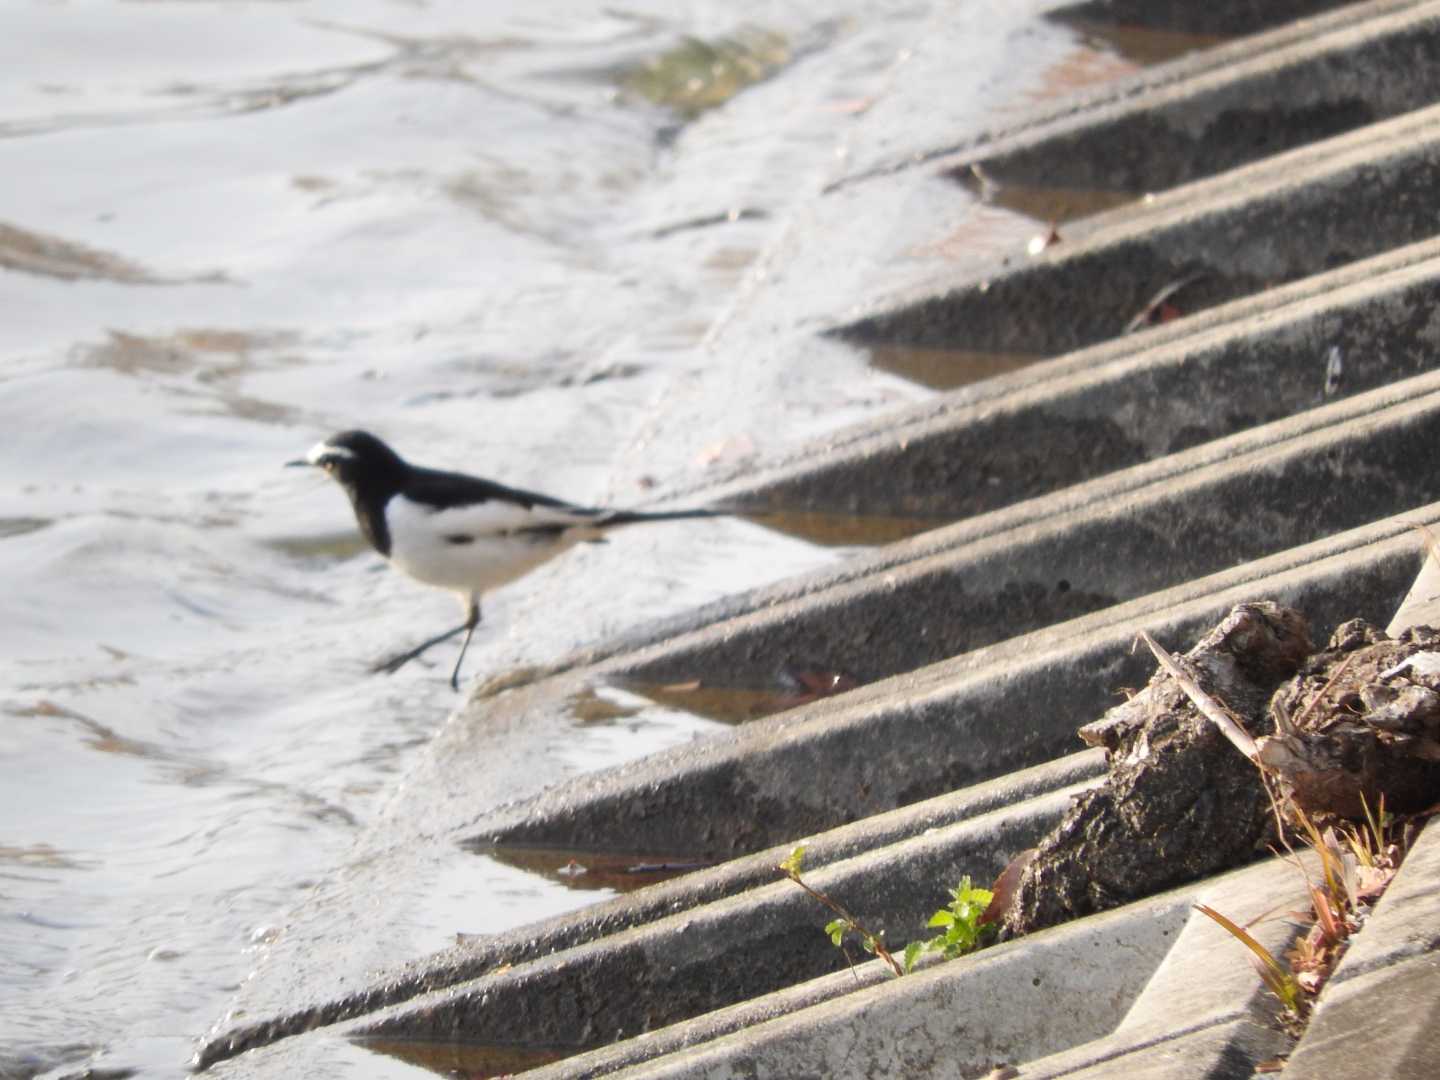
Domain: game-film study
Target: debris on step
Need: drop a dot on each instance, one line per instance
(1179, 803)
(1360, 719)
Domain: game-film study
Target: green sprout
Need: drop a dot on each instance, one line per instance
(836, 929)
(962, 919)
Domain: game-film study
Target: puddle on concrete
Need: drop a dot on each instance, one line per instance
(465, 1060)
(946, 369)
(726, 704)
(1042, 204)
(832, 529)
(588, 871)
(488, 894)
(589, 707)
(605, 706)
(477, 895)
(737, 705)
(1141, 45)
(614, 724)
(1105, 52)
(692, 707)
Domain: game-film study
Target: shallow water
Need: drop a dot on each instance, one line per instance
(228, 229)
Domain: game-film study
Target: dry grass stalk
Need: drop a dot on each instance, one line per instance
(1213, 711)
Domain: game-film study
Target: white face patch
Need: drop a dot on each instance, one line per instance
(323, 449)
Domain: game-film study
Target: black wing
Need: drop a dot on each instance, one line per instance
(448, 490)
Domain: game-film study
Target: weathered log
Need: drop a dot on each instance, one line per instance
(1180, 802)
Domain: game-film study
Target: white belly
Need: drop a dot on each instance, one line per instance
(427, 544)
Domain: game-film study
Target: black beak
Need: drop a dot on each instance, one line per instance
(293, 464)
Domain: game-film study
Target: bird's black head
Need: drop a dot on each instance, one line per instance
(359, 461)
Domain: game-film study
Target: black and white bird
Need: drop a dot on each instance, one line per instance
(455, 531)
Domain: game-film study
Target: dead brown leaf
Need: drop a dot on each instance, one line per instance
(1003, 891)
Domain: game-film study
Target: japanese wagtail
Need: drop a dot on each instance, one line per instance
(455, 531)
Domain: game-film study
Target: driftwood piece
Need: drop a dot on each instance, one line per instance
(1360, 719)
(1180, 802)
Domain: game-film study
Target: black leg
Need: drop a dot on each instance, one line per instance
(472, 620)
(395, 663)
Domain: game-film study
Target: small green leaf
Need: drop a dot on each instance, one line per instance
(912, 954)
(794, 862)
(941, 918)
(966, 893)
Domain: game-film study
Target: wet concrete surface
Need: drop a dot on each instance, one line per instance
(975, 649)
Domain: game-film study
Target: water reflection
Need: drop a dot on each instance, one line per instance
(1048, 205)
(1143, 46)
(477, 894)
(838, 529)
(723, 704)
(793, 688)
(326, 547)
(607, 872)
(616, 723)
(97, 736)
(465, 1061)
(946, 368)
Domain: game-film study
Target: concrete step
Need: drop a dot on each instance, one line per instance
(1274, 221)
(958, 722)
(717, 954)
(779, 780)
(1081, 549)
(1272, 442)
(1126, 400)
(1224, 107)
(1111, 993)
(1270, 48)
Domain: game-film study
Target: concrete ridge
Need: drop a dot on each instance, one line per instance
(1232, 104)
(1074, 111)
(1276, 220)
